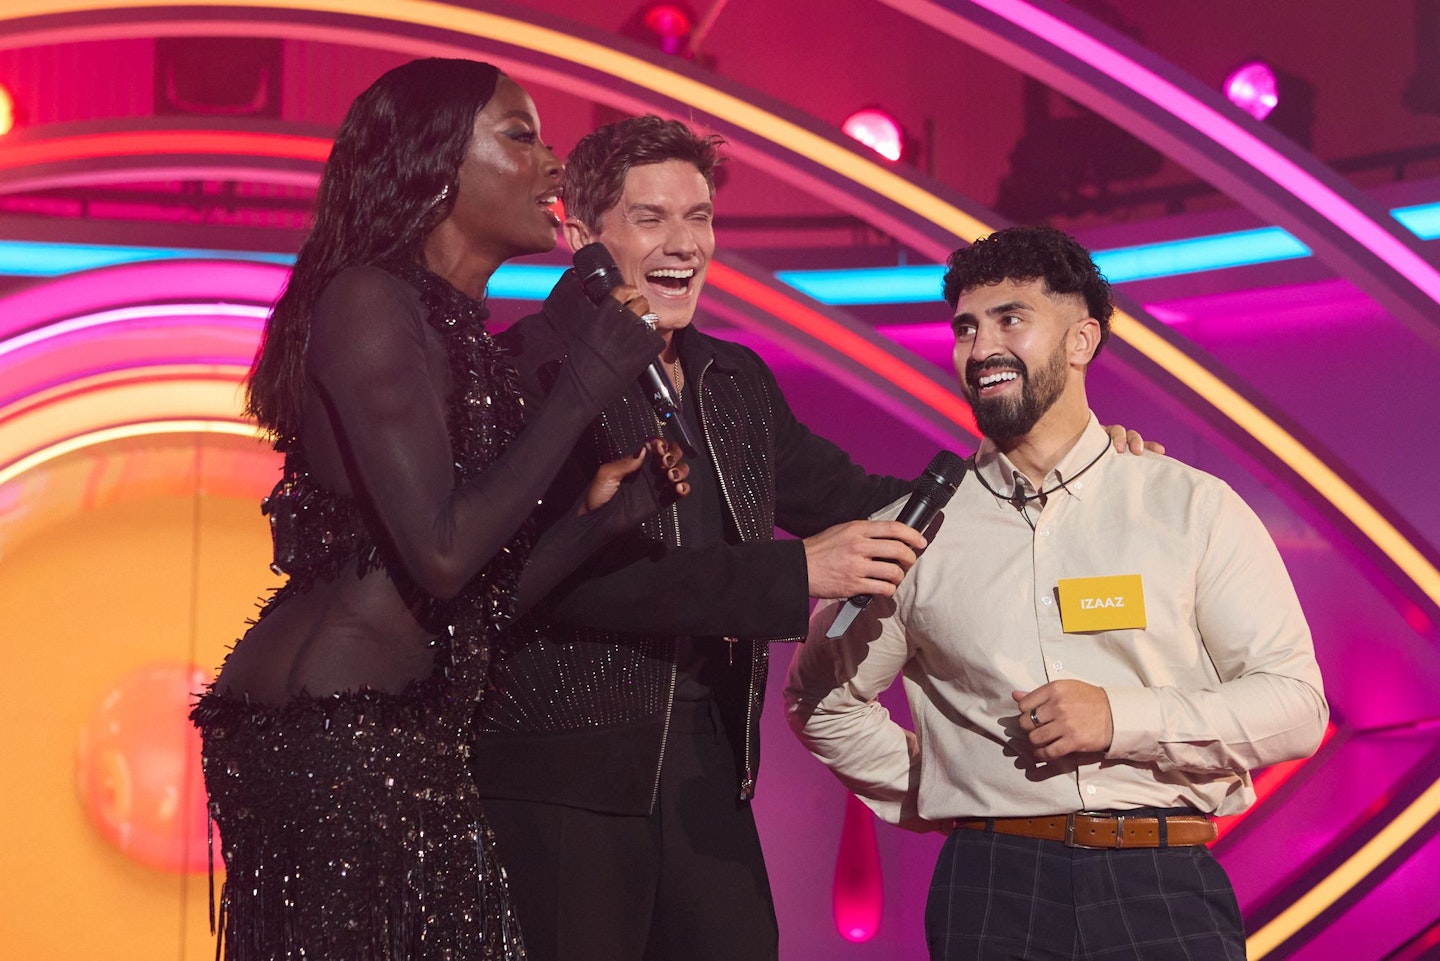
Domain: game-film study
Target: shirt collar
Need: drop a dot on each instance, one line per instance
(1002, 476)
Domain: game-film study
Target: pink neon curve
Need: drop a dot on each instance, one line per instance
(1225, 132)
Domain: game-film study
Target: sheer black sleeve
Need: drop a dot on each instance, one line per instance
(382, 375)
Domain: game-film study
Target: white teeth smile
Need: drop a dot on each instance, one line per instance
(989, 380)
(672, 272)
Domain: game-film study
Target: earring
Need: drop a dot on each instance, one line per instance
(440, 197)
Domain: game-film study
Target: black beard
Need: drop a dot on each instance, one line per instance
(1004, 419)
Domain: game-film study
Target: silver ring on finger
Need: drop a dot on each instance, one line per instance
(1034, 718)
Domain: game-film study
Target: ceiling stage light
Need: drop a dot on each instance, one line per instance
(1254, 88)
(1280, 100)
(877, 130)
(669, 23)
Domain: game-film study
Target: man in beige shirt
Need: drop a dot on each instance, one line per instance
(1096, 650)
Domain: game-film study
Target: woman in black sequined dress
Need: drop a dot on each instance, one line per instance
(335, 736)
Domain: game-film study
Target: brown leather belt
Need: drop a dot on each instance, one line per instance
(1103, 831)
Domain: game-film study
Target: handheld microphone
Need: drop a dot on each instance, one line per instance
(598, 276)
(932, 492)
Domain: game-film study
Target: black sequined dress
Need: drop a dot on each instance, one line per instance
(350, 824)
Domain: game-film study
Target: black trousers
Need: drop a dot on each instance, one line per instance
(1000, 898)
(687, 883)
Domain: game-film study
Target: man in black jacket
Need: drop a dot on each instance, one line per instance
(618, 747)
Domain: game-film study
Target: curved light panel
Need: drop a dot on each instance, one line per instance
(109, 435)
(678, 86)
(1363, 237)
(144, 143)
(1168, 109)
(68, 315)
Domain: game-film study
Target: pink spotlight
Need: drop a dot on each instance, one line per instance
(877, 130)
(1253, 88)
(670, 23)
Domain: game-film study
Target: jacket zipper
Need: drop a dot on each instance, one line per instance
(747, 779)
(674, 671)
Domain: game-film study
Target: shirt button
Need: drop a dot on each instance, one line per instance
(1046, 600)
(1078, 485)
(1058, 666)
(1089, 789)
(1045, 532)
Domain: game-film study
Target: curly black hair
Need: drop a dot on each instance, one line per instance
(1032, 253)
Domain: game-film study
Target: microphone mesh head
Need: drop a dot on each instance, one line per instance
(947, 470)
(597, 271)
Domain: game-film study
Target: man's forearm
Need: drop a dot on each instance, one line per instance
(1243, 725)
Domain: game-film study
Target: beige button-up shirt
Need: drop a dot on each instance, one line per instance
(1220, 681)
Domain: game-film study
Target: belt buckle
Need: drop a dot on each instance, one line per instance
(1070, 841)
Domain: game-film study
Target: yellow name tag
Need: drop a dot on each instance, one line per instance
(1114, 603)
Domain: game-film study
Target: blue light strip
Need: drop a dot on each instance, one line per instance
(922, 284)
(871, 285)
(524, 281)
(868, 285)
(1422, 220)
(1195, 254)
(916, 285)
(23, 259)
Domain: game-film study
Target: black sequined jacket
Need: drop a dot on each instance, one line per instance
(580, 696)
